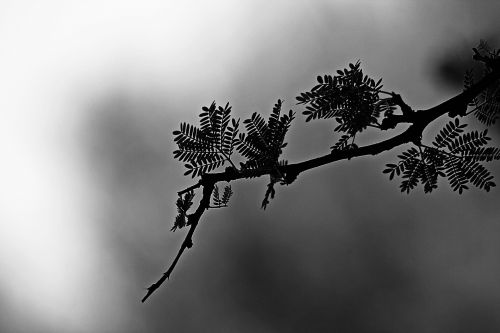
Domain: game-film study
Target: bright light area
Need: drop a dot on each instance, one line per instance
(53, 54)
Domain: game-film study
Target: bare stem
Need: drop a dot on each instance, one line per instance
(385, 92)
(190, 188)
(194, 218)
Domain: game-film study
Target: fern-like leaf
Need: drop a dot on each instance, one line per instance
(468, 141)
(481, 154)
(412, 174)
(429, 177)
(248, 148)
(478, 175)
(192, 138)
(216, 197)
(456, 177)
(210, 146)
(433, 168)
(204, 165)
(455, 155)
(343, 143)
(221, 201)
(407, 159)
(183, 204)
(229, 137)
(257, 130)
(448, 133)
(264, 141)
(228, 192)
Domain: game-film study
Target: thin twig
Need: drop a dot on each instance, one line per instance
(190, 188)
(475, 108)
(385, 92)
(194, 218)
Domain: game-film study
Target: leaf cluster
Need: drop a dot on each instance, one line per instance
(454, 155)
(209, 146)
(183, 204)
(350, 97)
(221, 201)
(264, 141)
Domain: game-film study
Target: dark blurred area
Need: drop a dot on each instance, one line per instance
(456, 58)
(452, 62)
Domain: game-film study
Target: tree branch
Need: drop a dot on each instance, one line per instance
(190, 188)
(419, 120)
(193, 220)
(405, 108)
(458, 105)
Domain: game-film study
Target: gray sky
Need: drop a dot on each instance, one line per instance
(91, 92)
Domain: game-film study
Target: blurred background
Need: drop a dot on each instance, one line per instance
(90, 94)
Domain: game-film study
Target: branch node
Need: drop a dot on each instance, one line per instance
(459, 110)
(231, 171)
(290, 177)
(405, 108)
(390, 121)
(189, 243)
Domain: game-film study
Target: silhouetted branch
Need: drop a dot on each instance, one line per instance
(418, 120)
(405, 108)
(193, 220)
(190, 188)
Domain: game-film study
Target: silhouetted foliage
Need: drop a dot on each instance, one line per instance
(222, 201)
(349, 97)
(208, 147)
(455, 155)
(355, 102)
(183, 204)
(343, 143)
(264, 142)
(487, 103)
